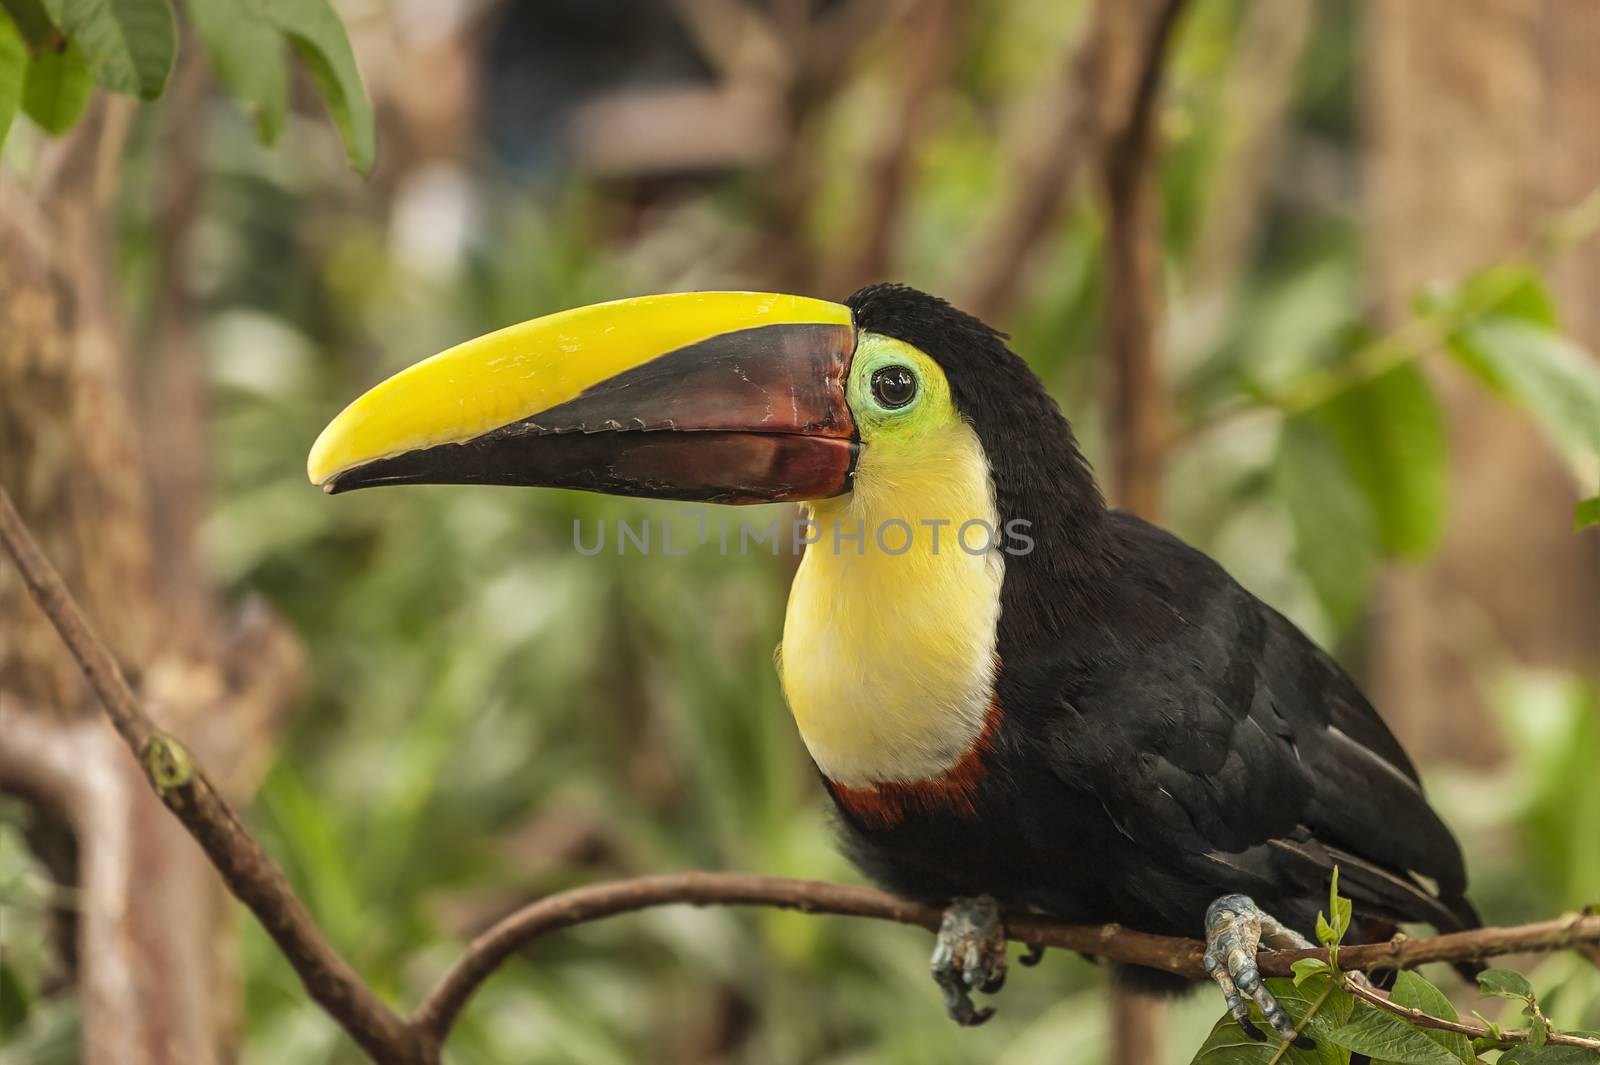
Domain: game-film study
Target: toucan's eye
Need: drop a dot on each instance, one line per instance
(894, 386)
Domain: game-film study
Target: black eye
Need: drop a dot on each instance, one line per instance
(894, 386)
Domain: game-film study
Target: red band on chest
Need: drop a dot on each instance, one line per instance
(953, 791)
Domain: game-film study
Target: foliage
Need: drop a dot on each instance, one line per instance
(1380, 492)
(130, 46)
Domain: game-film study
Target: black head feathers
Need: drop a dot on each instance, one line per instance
(993, 387)
(1039, 474)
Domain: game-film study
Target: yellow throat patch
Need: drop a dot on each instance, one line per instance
(888, 655)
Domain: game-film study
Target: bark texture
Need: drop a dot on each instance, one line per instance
(153, 932)
(1483, 120)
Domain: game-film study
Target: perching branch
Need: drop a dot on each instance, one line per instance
(1111, 942)
(1506, 1036)
(252, 876)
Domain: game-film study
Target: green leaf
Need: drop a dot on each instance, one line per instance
(1507, 983)
(1306, 968)
(250, 59)
(1391, 432)
(1385, 1037)
(319, 39)
(1325, 932)
(1339, 906)
(13, 72)
(1341, 917)
(1512, 290)
(1541, 370)
(57, 89)
(33, 23)
(1329, 1007)
(128, 44)
(1336, 545)
(1586, 513)
(1413, 992)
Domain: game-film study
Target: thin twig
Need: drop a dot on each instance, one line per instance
(247, 870)
(1508, 1036)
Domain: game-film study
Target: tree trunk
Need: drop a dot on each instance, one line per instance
(156, 973)
(1482, 122)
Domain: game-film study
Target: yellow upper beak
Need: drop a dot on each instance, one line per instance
(522, 370)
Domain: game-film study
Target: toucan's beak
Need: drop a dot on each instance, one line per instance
(728, 397)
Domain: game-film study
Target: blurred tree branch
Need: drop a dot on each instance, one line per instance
(253, 878)
(1133, 252)
(927, 49)
(1100, 113)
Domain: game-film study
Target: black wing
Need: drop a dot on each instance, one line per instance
(1224, 744)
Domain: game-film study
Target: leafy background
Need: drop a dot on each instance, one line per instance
(494, 717)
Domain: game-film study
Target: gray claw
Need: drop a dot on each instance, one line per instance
(1235, 928)
(970, 955)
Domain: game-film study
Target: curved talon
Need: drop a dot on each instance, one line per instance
(970, 955)
(1235, 1001)
(1235, 929)
(1033, 956)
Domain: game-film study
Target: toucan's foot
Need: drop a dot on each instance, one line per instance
(969, 956)
(1235, 928)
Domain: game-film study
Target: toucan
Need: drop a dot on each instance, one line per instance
(1017, 698)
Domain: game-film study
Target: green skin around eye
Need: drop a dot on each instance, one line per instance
(929, 409)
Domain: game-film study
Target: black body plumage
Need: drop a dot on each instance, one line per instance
(1164, 737)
